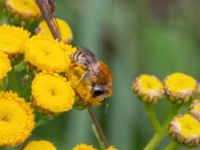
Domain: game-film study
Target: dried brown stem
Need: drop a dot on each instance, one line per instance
(98, 127)
(49, 19)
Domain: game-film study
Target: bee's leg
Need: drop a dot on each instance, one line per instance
(84, 75)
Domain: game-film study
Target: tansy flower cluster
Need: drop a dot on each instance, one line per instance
(90, 147)
(179, 89)
(38, 75)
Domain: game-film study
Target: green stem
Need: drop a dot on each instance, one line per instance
(1, 84)
(13, 82)
(155, 140)
(101, 144)
(171, 146)
(152, 116)
(158, 136)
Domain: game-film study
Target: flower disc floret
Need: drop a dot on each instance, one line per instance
(180, 88)
(16, 119)
(148, 88)
(4, 65)
(12, 39)
(62, 26)
(185, 129)
(195, 109)
(68, 49)
(46, 54)
(84, 147)
(52, 93)
(40, 145)
(27, 9)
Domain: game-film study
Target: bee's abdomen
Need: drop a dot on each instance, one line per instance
(80, 58)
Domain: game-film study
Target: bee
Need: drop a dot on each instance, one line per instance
(97, 72)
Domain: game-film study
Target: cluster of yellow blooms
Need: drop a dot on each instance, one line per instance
(49, 62)
(90, 147)
(179, 89)
(47, 145)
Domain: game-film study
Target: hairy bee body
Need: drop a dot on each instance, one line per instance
(86, 58)
(97, 72)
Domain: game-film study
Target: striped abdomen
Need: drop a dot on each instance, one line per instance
(85, 58)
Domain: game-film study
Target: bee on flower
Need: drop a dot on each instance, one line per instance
(91, 78)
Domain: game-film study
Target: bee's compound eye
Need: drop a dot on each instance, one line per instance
(97, 91)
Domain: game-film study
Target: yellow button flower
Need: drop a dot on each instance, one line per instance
(195, 109)
(4, 65)
(16, 119)
(62, 26)
(185, 129)
(46, 54)
(180, 88)
(52, 93)
(27, 9)
(12, 39)
(148, 88)
(111, 148)
(40, 145)
(84, 147)
(68, 49)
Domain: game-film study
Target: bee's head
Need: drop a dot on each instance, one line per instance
(98, 90)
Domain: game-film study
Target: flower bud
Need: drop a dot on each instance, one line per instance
(180, 88)
(148, 88)
(195, 109)
(185, 129)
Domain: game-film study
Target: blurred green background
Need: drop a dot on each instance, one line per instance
(133, 37)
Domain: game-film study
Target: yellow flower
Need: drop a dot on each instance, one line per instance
(4, 65)
(12, 39)
(27, 9)
(195, 109)
(68, 49)
(52, 93)
(84, 147)
(46, 54)
(111, 148)
(185, 129)
(180, 88)
(148, 88)
(62, 26)
(40, 145)
(16, 119)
